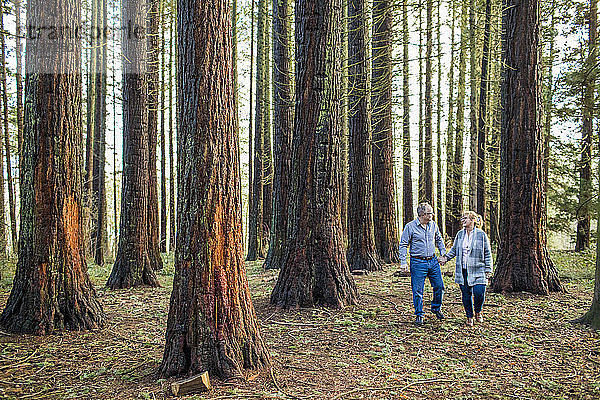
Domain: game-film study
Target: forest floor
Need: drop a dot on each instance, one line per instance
(526, 348)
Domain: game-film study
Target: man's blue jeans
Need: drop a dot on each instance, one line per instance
(470, 294)
(419, 270)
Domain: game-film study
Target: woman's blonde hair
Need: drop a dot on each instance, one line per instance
(475, 217)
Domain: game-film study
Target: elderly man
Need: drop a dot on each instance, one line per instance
(422, 235)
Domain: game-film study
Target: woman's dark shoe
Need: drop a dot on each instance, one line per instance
(439, 315)
(419, 321)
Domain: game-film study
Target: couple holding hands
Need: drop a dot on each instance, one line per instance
(473, 262)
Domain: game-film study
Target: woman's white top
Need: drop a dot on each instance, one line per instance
(466, 245)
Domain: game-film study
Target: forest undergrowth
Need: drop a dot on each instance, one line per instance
(526, 348)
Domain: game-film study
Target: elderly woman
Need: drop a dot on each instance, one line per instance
(473, 264)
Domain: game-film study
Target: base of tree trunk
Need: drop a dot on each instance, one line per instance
(156, 260)
(388, 254)
(365, 261)
(308, 278)
(28, 311)
(129, 273)
(591, 318)
(223, 359)
(535, 276)
(274, 257)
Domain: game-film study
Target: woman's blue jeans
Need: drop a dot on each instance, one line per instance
(419, 270)
(472, 294)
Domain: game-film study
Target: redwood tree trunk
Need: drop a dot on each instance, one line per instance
(315, 270)
(592, 317)
(163, 145)
(585, 168)
(523, 263)
(453, 215)
(99, 239)
(172, 166)
(218, 331)
(51, 290)
(283, 118)
(407, 191)
(428, 134)
(385, 219)
(153, 88)
(256, 225)
(483, 114)
(11, 191)
(133, 264)
(361, 240)
(19, 78)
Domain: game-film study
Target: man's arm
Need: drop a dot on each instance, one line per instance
(403, 247)
(440, 241)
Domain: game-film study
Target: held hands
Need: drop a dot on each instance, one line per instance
(488, 275)
(404, 268)
(442, 260)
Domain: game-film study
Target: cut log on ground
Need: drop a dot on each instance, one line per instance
(197, 383)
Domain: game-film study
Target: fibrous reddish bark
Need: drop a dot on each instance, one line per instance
(385, 219)
(283, 118)
(523, 262)
(315, 270)
(361, 240)
(134, 261)
(153, 88)
(51, 290)
(212, 325)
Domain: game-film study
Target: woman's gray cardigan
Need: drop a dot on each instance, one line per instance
(480, 258)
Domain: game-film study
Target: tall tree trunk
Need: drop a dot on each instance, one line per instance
(88, 199)
(234, 40)
(592, 316)
(283, 118)
(315, 270)
(585, 167)
(523, 263)
(473, 106)
(11, 190)
(421, 181)
(457, 170)
(251, 232)
(172, 166)
(548, 107)
(218, 331)
(256, 243)
(133, 265)
(267, 151)
(407, 191)
(115, 174)
(428, 143)
(481, 128)
(345, 127)
(385, 217)
(361, 251)
(51, 289)
(153, 88)
(99, 240)
(19, 72)
(494, 127)
(439, 201)
(450, 220)
(163, 145)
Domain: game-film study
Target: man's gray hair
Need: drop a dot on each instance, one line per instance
(421, 208)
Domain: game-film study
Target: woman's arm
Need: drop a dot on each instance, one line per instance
(487, 254)
(452, 253)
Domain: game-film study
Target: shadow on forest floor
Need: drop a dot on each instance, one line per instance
(525, 348)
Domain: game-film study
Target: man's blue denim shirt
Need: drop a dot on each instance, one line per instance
(421, 240)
